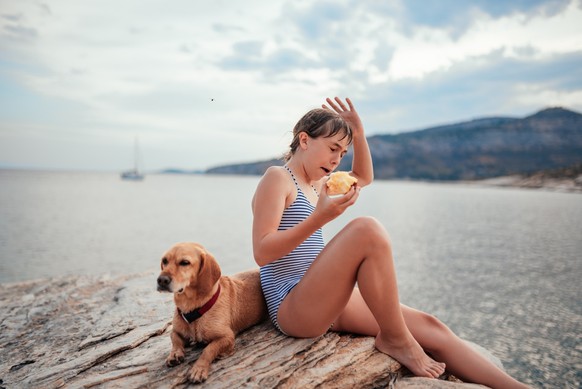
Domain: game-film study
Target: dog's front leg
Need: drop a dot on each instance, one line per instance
(218, 347)
(177, 354)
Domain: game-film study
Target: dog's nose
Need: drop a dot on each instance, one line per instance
(163, 281)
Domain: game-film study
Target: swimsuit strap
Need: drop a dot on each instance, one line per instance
(295, 181)
(292, 175)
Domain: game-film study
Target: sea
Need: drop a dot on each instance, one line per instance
(502, 267)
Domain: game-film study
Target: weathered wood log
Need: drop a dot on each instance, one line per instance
(85, 332)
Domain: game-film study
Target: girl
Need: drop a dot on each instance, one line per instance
(310, 287)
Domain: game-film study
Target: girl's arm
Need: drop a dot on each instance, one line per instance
(362, 166)
(268, 205)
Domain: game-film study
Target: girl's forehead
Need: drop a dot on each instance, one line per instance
(339, 138)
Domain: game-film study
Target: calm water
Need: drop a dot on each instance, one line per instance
(501, 267)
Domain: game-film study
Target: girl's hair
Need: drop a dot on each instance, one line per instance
(319, 122)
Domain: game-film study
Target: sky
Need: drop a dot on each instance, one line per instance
(208, 83)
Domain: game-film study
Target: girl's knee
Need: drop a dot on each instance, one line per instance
(434, 323)
(370, 230)
(441, 336)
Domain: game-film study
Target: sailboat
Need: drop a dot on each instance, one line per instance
(134, 174)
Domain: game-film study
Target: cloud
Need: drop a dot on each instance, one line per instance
(19, 32)
(315, 20)
(458, 16)
(11, 17)
(491, 85)
(270, 66)
(430, 50)
(95, 72)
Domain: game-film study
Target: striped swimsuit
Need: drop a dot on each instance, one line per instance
(281, 275)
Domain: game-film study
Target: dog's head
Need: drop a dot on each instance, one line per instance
(188, 265)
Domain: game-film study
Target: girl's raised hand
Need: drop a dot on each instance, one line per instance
(349, 113)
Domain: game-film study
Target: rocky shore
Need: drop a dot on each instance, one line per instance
(85, 332)
(561, 180)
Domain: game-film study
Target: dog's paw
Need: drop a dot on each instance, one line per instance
(175, 358)
(199, 372)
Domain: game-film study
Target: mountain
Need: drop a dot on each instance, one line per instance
(476, 149)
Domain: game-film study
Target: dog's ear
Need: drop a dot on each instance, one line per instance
(208, 272)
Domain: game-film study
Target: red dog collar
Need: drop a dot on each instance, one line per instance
(198, 312)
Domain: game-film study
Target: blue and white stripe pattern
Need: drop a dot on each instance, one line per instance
(281, 275)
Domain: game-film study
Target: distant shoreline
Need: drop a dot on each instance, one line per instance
(545, 180)
(570, 185)
(560, 180)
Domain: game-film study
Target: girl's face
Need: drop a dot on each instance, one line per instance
(324, 154)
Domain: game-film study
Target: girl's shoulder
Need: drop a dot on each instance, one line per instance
(276, 182)
(277, 177)
(276, 173)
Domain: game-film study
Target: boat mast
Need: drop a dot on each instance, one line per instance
(136, 155)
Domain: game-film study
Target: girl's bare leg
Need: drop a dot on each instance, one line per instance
(359, 253)
(461, 359)
(435, 337)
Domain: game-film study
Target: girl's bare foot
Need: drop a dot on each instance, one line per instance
(410, 354)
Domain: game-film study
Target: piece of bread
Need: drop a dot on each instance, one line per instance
(340, 183)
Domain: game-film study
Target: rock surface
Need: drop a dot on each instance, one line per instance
(87, 332)
(567, 179)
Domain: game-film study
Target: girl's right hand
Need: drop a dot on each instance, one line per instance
(329, 208)
(349, 114)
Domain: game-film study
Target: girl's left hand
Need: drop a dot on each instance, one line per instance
(329, 208)
(350, 115)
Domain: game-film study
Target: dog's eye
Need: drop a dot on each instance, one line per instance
(184, 262)
(165, 261)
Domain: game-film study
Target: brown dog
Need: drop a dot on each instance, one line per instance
(210, 308)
